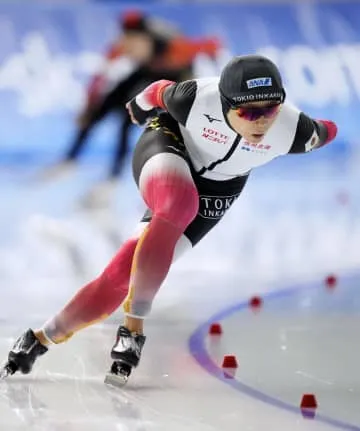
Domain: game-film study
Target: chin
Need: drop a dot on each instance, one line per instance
(256, 138)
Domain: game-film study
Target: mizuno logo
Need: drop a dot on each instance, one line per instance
(211, 119)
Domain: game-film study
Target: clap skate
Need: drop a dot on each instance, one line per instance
(22, 356)
(126, 353)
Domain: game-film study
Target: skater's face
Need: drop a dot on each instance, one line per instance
(138, 46)
(253, 120)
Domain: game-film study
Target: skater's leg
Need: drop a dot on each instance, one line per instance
(78, 144)
(130, 340)
(168, 189)
(162, 173)
(102, 193)
(99, 298)
(92, 303)
(95, 301)
(86, 122)
(122, 147)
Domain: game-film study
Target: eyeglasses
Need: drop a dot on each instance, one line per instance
(254, 113)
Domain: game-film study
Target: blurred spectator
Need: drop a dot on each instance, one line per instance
(147, 50)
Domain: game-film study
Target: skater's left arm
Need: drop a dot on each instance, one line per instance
(312, 134)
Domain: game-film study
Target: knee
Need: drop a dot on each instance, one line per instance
(179, 206)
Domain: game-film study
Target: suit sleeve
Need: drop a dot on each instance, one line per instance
(179, 98)
(311, 134)
(175, 98)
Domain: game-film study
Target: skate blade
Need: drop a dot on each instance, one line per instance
(115, 380)
(6, 372)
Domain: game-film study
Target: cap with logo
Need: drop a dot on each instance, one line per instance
(250, 78)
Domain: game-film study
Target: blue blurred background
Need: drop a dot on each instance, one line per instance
(49, 50)
(298, 216)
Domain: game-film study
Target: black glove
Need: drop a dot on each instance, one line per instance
(138, 115)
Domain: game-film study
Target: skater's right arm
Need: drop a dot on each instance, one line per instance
(175, 98)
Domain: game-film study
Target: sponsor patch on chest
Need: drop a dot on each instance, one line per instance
(214, 136)
(255, 148)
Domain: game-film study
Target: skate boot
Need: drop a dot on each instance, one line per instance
(126, 353)
(23, 354)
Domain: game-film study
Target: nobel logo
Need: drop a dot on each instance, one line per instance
(259, 82)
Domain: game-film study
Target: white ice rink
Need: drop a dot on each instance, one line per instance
(288, 234)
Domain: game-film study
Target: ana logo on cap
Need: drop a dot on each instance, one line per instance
(259, 82)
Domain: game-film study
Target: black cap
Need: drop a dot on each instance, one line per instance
(250, 78)
(134, 21)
